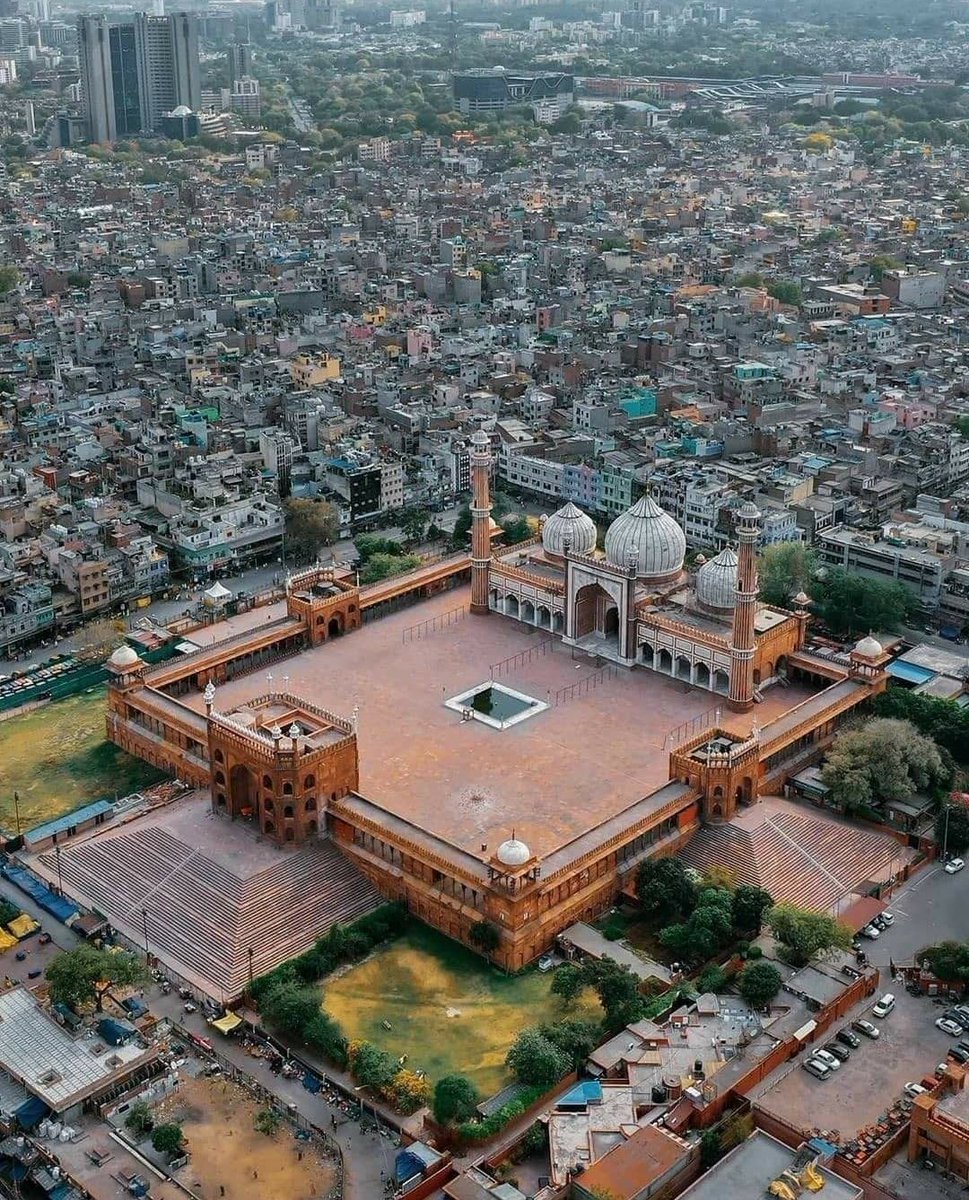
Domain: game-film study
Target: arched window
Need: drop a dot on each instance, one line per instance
(267, 782)
(309, 782)
(268, 806)
(268, 827)
(220, 799)
(219, 777)
(311, 827)
(219, 756)
(289, 835)
(288, 810)
(311, 805)
(287, 789)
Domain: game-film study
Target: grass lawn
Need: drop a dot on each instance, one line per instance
(56, 757)
(449, 1011)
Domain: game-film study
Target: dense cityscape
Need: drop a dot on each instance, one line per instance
(484, 592)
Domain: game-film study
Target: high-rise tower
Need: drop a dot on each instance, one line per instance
(480, 520)
(743, 638)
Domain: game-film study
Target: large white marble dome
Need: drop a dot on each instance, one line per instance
(649, 537)
(571, 527)
(716, 581)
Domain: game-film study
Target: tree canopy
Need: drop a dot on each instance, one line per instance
(759, 983)
(747, 907)
(665, 890)
(168, 1138)
(310, 525)
(535, 1060)
(952, 829)
(946, 722)
(854, 604)
(785, 569)
(886, 759)
(87, 974)
(455, 1099)
(804, 932)
(707, 929)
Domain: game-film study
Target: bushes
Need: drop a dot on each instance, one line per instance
(481, 1131)
(376, 1069)
(342, 944)
(455, 1099)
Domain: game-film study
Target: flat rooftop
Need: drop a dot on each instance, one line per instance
(750, 1169)
(53, 1065)
(599, 747)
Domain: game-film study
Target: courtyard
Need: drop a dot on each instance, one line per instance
(57, 757)
(601, 744)
(444, 1007)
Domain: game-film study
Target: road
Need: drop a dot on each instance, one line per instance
(931, 908)
(367, 1157)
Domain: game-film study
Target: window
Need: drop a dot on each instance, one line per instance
(288, 810)
(267, 782)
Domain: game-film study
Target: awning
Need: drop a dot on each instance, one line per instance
(227, 1023)
(22, 926)
(31, 1113)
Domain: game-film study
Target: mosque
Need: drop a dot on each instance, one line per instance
(499, 739)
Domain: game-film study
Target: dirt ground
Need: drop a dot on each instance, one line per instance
(227, 1152)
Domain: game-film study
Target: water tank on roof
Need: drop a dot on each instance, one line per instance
(659, 1093)
(674, 1087)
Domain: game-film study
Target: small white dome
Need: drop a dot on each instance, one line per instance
(124, 656)
(647, 536)
(869, 647)
(513, 853)
(569, 525)
(716, 581)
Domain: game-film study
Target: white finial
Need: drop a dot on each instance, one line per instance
(276, 733)
(355, 717)
(755, 731)
(269, 683)
(209, 694)
(293, 731)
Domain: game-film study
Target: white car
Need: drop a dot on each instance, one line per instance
(914, 1089)
(871, 931)
(829, 1060)
(954, 865)
(949, 1027)
(884, 1006)
(888, 918)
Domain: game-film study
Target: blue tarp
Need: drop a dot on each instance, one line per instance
(909, 672)
(311, 1083)
(57, 906)
(116, 1032)
(31, 1113)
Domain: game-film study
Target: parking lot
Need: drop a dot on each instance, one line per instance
(931, 908)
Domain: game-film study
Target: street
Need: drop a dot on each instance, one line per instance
(932, 907)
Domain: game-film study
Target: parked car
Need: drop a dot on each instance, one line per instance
(940, 1070)
(960, 1014)
(842, 1053)
(828, 1059)
(817, 1068)
(914, 1089)
(954, 866)
(961, 1056)
(848, 1038)
(887, 918)
(949, 1027)
(884, 1006)
(546, 962)
(866, 1027)
(964, 1046)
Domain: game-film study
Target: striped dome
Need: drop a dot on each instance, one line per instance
(648, 537)
(716, 581)
(570, 525)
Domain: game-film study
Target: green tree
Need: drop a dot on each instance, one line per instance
(413, 522)
(139, 1120)
(367, 545)
(885, 759)
(267, 1121)
(168, 1139)
(948, 961)
(371, 1066)
(516, 529)
(944, 721)
(291, 1006)
(880, 263)
(750, 280)
(87, 974)
(535, 1060)
(96, 639)
(804, 932)
(568, 982)
(759, 983)
(712, 979)
(324, 1034)
(665, 890)
(462, 528)
(785, 569)
(384, 566)
(9, 278)
(786, 291)
(576, 1039)
(485, 936)
(618, 991)
(310, 525)
(854, 604)
(707, 929)
(952, 829)
(747, 907)
(962, 426)
(455, 1099)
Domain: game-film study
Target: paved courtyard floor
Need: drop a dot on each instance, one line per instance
(600, 746)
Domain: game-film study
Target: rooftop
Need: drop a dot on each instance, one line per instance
(750, 1169)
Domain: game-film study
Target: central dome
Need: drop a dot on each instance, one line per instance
(716, 581)
(647, 536)
(570, 525)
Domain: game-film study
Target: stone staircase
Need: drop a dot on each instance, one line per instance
(805, 860)
(201, 917)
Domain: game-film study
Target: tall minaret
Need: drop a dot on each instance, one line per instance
(743, 641)
(480, 520)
